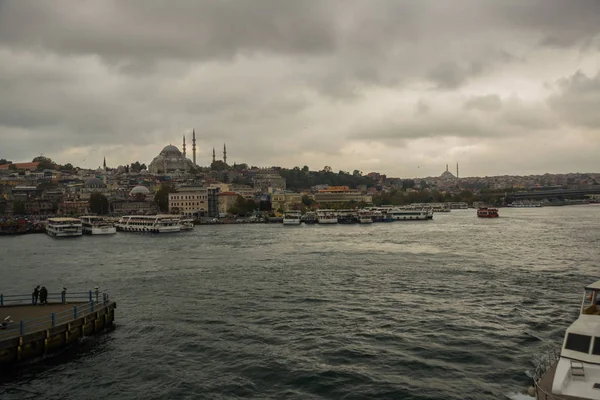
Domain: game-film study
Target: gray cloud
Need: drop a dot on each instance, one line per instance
(311, 81)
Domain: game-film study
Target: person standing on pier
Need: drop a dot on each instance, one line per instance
(43, 295)
(63, 295)
(35, 295)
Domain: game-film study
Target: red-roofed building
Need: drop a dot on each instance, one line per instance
(31, 166)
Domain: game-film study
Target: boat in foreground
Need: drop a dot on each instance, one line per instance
(95, 225)
(486, 212)
(64, 227)
(149, 224)
(576, 373)
(187, 224)
(292, 218)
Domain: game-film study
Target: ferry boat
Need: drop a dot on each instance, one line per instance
(149, 224)
(346, 217)
(365, 217)
(95, 225)
(309, 218)
(398, 214)
(575, 374)
(485, 212)
(327, 217)
(187, 224)
(64, 227)
(292, 218)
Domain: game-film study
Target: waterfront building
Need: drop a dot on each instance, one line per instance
(286, 201)
(189, 201)
(268, 181)
(341, 194)
(170, 160)
(74, 207)
(226, 200)
(133, 207)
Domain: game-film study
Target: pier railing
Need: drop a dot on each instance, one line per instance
(86, 303)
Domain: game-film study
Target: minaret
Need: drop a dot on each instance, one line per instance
(214, 158)
(446, 167)
(194, 144)
(104, 171)
(183, 146)
(224, 153)
(457, 170)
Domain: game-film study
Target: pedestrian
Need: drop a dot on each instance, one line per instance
(35, 295)
(43, 295)
(63, 295)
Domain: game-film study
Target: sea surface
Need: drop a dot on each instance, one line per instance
(453, 308)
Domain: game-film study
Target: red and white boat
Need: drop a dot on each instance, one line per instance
(485, 212)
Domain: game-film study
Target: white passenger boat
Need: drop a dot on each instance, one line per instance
(149, 224)
(327, 217)
(292, 218)
(365, 216)
(398, 214)
(187, 224)
(63, 227)
(96, 225)
(575, 374)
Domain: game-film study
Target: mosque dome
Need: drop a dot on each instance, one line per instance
(139, 190)
(94, 183)
(171, 150)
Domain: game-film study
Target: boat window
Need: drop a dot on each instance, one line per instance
(580, 343)
(596, 348)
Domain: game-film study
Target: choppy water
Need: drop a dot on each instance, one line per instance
(453, 308)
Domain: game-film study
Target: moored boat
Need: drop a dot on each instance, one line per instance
(485, 212)
(327, 217)
(187, 224)
(96, 225)
(575, 372)
(64, 227)
(149, 224)
(365, 217)
(292, 217)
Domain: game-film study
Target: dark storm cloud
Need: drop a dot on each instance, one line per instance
(276, 78)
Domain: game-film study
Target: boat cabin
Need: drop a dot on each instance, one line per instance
(578, 369)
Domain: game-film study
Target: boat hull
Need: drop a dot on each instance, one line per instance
(96, 230)
(63, 234)
(327, 221)
(290, 221)
(145, 229)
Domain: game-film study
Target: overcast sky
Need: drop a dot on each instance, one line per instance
(398, 87)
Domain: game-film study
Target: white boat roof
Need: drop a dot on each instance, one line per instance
(594, 286)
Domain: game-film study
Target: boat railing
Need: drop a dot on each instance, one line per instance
(86, 303)
(542, 364)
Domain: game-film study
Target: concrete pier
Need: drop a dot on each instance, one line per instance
(38, 330)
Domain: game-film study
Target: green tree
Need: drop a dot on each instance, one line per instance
(219, 165)
(67, 167)
(99, 204)
(162, 196)
(18, 208)
(44, 163)
(408, 184)
(137, 167)
(307, 200)
(4, 161)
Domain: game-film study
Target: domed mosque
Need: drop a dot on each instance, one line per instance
(171, 159)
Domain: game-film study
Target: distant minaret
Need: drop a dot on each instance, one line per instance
(104, 171)
(446, 167)
(224, 153)
(457, 170)
(194, 144)
(183, 146)
(214, 157)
